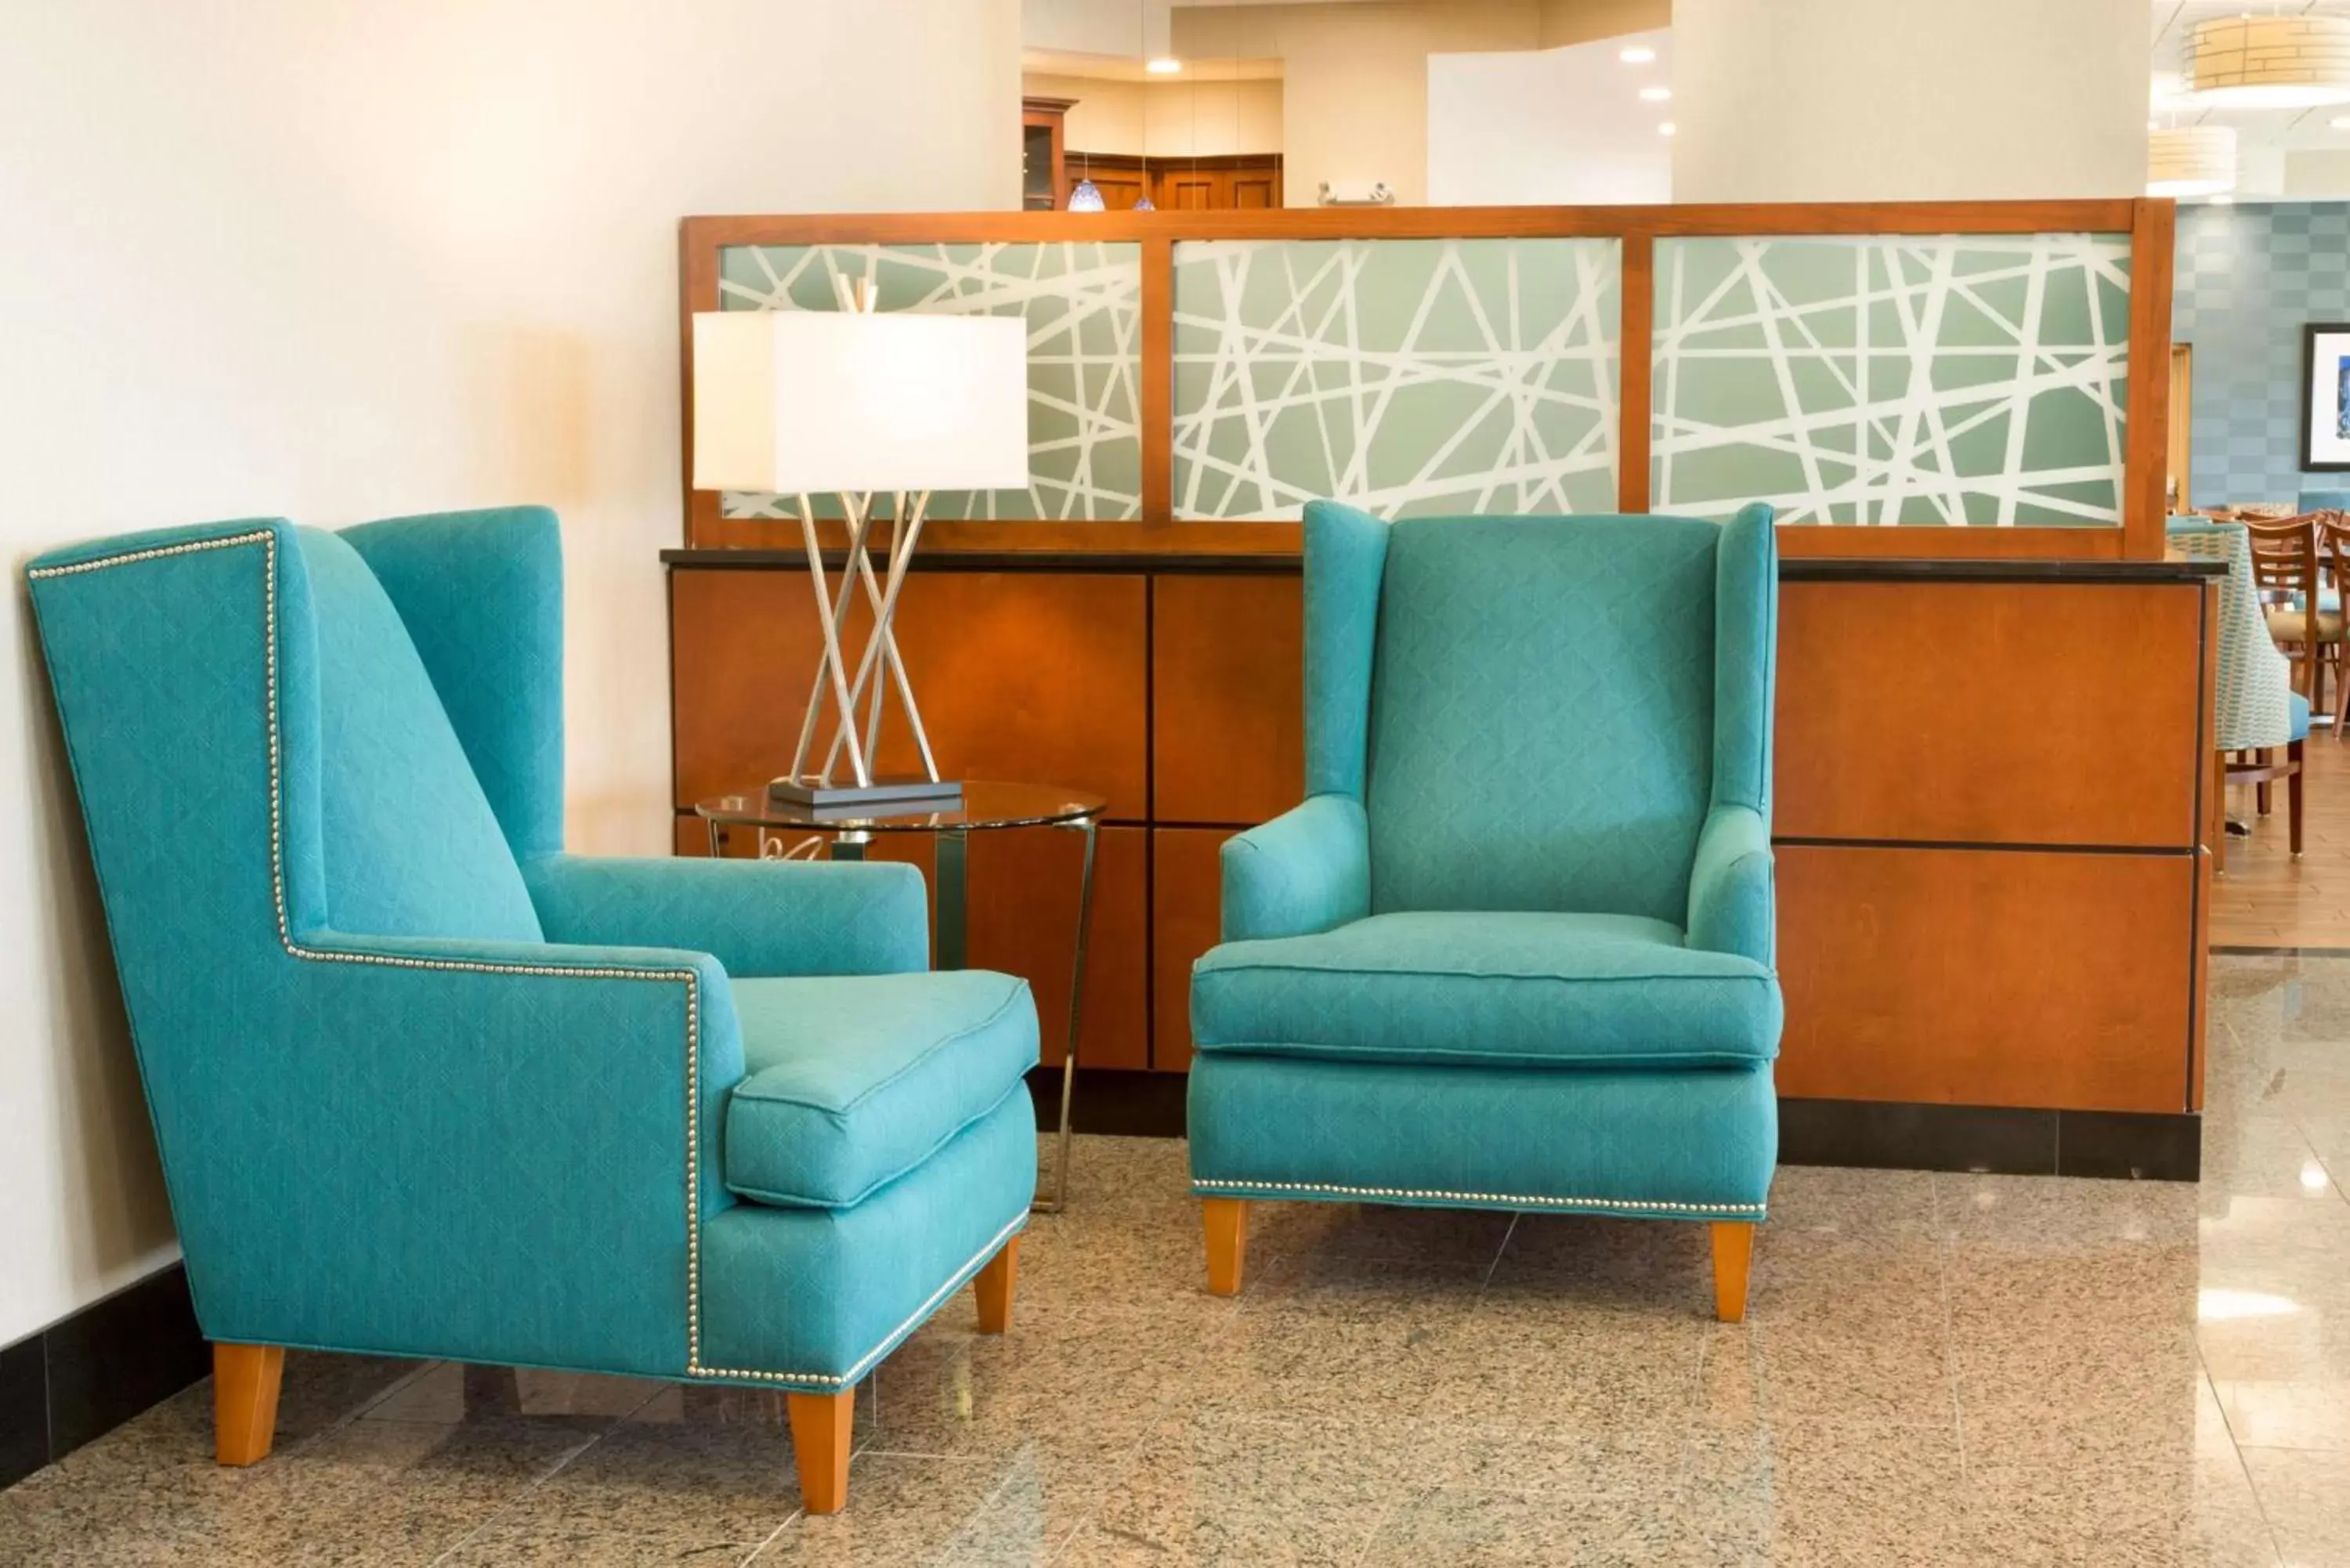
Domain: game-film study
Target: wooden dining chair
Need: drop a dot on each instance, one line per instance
(2333, 550)
(2290, 560)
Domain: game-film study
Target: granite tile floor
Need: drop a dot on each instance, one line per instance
(1963, 1369)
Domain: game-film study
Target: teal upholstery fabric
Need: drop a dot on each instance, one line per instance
(2300, 705)
(1746, 659)
(1346, 557)
(1515, 948)
(756, 917)
(1512, 989)
(1306, 870)
(1677, 1145)
(392, 1118)
(812, 1298)
(412, 846)
(1732, 891)
(851, 1082)
(1541, 720)
(482, 595)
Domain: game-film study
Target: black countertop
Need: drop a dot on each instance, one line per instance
(1805, 569)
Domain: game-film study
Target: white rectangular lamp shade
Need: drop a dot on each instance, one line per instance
(804, 402)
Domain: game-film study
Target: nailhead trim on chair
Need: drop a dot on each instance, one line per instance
(693, 1367)
(1204, 1184)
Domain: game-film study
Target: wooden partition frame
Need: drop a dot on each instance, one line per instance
(2148, 221)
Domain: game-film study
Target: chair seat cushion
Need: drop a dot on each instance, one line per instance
(2300, 705)
(1521, 990)
(850, 1082)
(2286, 624)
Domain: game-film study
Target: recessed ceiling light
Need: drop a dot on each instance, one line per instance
(1666, 129)
(1638, 55)
(1656, 95)
(1165, 65)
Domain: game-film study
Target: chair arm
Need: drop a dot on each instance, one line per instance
(456, 1148)
(1306, 870)
(1731, 909)
(756, 917)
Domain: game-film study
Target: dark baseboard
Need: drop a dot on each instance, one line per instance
(1999, 1139)
(83, 1376)
(1115, 1100)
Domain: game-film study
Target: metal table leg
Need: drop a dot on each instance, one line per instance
(1076, 1014)
(954, 900)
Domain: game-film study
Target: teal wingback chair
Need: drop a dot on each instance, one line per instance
(426, 1085)
(1515, 948)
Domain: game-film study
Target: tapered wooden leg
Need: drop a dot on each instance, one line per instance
(995, 1284)
(1227, 1223)
(245, 1401)
(2293, 794)
(1733, 1249)
(820, 1429)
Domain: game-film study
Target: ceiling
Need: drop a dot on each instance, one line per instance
(2275, 130)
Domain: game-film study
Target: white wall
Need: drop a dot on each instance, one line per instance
(1854, 100)
(1354, 77)
(1563, 126)
(337, 261)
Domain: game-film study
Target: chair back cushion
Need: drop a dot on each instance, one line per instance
(1542, 714)
(409, 843)
(2255, 679)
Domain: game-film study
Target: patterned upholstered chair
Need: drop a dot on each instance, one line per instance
(424, 1085)
(1515, 948)
(2257, 710)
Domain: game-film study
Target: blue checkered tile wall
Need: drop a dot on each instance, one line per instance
(2249, 279)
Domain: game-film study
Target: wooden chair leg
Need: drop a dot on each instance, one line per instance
(821, 1424)
(2342, 693)
(2261, 790)
(1227, 1224)
(2293, 795)
(2219, 824)
(994, 1286)
(1734, 1249)
(245, 1401)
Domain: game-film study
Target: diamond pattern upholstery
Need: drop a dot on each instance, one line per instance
(1515, 949)
(413, 1097)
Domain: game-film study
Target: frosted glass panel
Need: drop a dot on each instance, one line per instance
(1082, 302)
(1408, 377)
(1942, 378)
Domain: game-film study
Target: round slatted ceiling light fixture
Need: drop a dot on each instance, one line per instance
(2269, 62)
(2190, 161)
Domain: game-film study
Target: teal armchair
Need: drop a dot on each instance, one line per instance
(1514, 950)
(424, 1085)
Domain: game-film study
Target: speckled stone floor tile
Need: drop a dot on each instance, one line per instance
(1935, 1369)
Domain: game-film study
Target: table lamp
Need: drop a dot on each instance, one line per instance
(862, 405)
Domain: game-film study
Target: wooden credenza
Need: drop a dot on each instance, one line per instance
(1992, 816)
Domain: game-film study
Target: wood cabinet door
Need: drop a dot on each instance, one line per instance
(1193, 190)
(1120, 188)
(1255, 187)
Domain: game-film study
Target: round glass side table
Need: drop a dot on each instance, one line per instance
(788, 832)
